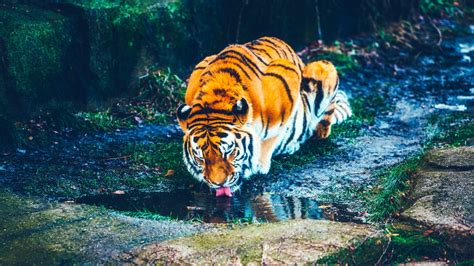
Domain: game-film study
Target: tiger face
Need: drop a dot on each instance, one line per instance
(218, 146)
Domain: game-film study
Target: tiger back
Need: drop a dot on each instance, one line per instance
(248, 103)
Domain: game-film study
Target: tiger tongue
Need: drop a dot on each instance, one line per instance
(223, 191)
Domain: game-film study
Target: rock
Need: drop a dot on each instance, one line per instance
(297, 241)
(443, 196)
(33, 46)
(461, 157)
(65, 233)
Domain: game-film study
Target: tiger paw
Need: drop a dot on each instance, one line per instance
(323, 130)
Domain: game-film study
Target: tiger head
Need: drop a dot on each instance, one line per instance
(219, 146)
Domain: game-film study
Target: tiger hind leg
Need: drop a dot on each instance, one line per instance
(338, 110)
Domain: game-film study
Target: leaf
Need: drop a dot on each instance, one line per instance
(170, 172)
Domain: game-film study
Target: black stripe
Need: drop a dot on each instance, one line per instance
(263, 51)
(231, 72)
(294, 56)
(244, 58)
(210, 125)
(324, 123)
(273, 40)
(210, 111)
(287, 68)
(305, 99)
(188, 158)
(239, 60)
(310, 79)
(272, 45)
(293, 129)
(207, 119)
(287, 88)
(266, 129)
(303, 130)
(319, 97)
(330, 112)
(250, 151)
(242, 69)
(258, 57)
(201, 67)
(282, 117)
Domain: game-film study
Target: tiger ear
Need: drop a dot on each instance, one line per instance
(183, 112)
(241, 107)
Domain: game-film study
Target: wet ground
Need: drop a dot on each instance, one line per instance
(406, 99)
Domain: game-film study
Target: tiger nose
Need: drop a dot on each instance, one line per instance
(219, 178)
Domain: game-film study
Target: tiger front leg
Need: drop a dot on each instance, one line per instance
(338, 111)
(266, 152)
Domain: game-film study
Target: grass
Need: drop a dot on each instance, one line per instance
(390, 195)
(443, 133)
(166, 158)
(146, 214)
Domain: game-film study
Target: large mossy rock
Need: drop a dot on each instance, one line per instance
(291, 242)
(87, 50)
(35, 48)
(443, 196)
(38, 232)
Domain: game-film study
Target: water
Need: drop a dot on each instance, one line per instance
(188, 205)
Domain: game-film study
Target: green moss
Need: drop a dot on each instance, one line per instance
(415, 245)
(401, 244)
(364, 252)
(36, 42)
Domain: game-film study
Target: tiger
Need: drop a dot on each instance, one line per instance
(251, 102)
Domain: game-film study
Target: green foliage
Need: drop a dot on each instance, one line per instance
(438, 7)
(343, 61)
(165, 89)
(160, 93)
(389, 196)
(386, 36)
